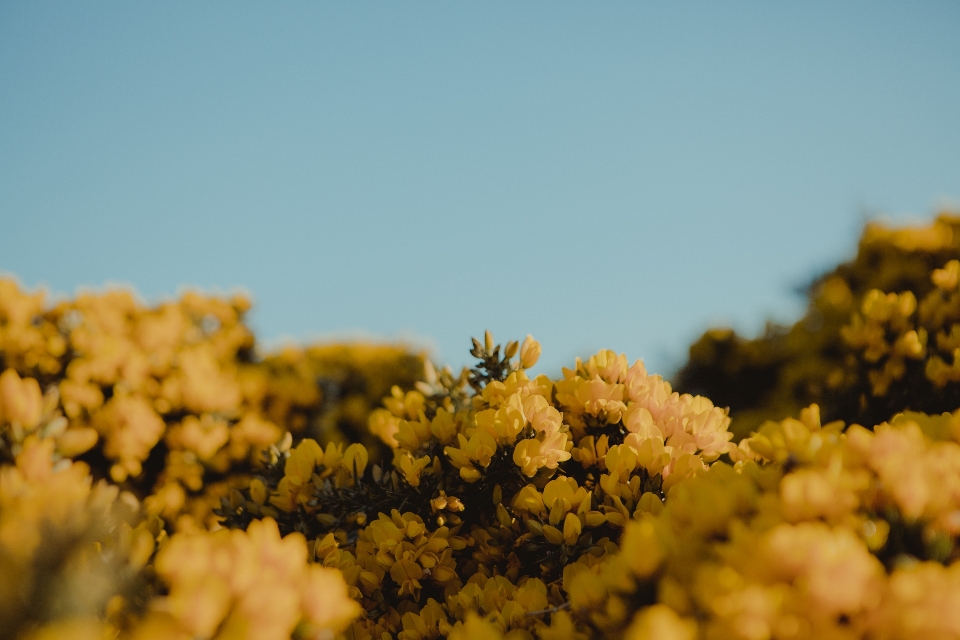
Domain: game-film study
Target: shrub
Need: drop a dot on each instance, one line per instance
(879, 337)
(160, 478)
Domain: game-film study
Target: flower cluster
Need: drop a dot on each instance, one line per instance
(877, 338)
(172, 402)
(249, 584)
(891, 330)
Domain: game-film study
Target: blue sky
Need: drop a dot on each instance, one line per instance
(617, 175)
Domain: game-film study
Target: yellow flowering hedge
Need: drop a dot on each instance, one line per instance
(162, 478)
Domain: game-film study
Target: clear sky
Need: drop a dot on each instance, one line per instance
(617, 175)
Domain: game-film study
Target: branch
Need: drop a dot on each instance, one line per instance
(561, 607)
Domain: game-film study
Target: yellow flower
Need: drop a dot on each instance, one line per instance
(561, 627)
(411, 467)
(254, 583)
(621, 460)
(412, 434)
(571, 528)
(130, 429)
(20, 400)
(529, 352)
(607, 366)
(598, 397)
(475, 628)
(444, 426)
(921, 601)
(383, 424)
(355, 459)
(302, 461)
(532, 454)
(407, 574)
(838, 573)
(809, 494)
(642, 550)
(639, 421)
(204, 436)
(650, 452)
(660, 622)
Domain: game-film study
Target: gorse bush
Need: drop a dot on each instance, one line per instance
(170, 402)
(499, 483)
(121, 424)
(162, 478)
(879, 336)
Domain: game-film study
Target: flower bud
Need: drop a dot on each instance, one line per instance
(529, 352)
